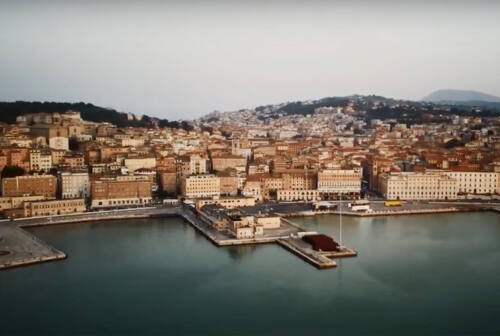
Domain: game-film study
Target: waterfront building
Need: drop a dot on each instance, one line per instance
(198, 186)
(418, 186)
(39, 185)
(476, 182)
(74, 184)
(340, 181)
(288, 195)
(15, 202)
(121, 191)
(226, 202)
(51, 208)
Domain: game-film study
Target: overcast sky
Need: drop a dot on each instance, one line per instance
(183, 59)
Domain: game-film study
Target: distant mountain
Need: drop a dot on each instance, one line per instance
(9, 111)
(461, 96)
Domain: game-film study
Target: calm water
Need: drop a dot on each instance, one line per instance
(414, 275)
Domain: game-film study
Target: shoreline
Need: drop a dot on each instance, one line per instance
(42, 252)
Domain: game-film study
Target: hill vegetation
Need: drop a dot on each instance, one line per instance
(9, 111)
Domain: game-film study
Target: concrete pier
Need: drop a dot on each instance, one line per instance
(19, 247)
(303, 251)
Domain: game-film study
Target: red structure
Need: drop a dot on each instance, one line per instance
(322, 242)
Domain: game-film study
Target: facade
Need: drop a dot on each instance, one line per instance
(226, 202)
(121, 191)
(298, 195)
(418, 186)
(37, 185)
(74, 185)
(17, 202)
(40, 160)
(52, 208)
(199, 186)
(299, 181)
(168, 182)
(73, 161)
(476, 182)
(221, 163)
(228, 184)
(59, 142)
(340, 181)
(134, 164)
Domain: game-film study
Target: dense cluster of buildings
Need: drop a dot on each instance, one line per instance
(59, 163)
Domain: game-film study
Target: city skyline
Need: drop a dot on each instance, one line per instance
(181, 61)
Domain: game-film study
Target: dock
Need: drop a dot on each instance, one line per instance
(300, 249)
(19, 247)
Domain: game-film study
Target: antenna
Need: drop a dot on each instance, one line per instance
(340, 207)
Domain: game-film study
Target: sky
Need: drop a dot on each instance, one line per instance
(184, 59)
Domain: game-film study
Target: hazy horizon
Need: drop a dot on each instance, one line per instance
(179, 59)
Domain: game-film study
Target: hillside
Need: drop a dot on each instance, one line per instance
(460, 96)
(9, 111)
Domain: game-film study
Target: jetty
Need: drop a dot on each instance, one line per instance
(18, 247)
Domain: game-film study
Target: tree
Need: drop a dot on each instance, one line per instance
(12, 171)
(73, 144)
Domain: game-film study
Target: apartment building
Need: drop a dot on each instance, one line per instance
(40, 160)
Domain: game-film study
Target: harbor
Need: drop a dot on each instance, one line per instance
(18, 247)
(22, 248)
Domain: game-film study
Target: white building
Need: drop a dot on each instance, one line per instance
(418, 186)
(75, 185)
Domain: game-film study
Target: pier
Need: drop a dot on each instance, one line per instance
(303, 251)
(19, 247)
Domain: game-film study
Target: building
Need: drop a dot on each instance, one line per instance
(168, 182)
(340, 181)
(73, 161)
(52, 208)
(121, 191)
(223, 162)
(299, 181)
(17, 201)
(476, 182)
(198, 186)
(191, 165)
(38, 185)
(418, 186)
(74, 184)
(226, 202)
(40, 160)
(288, 195)
(228, 182)
(136, 163)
